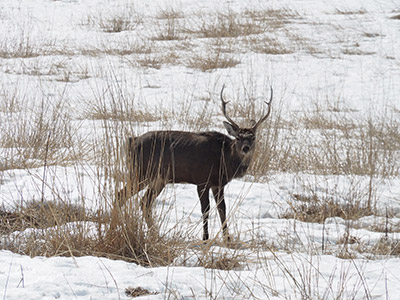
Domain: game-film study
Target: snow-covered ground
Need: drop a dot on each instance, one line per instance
(62, 59)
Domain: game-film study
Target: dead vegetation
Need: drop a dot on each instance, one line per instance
(313, 209)
(138, 292)
(25, 46)
(114, 21)
(44, 134)
(226, 25)
(59, 229)
(211, 61)
(327, 141)
(340, 145)
(350, 12)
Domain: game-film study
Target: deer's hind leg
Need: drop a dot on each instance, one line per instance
(203, 191)
(153, 190)
(218, 192)
(130, 188)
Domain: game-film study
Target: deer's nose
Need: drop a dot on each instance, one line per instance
(245, 149)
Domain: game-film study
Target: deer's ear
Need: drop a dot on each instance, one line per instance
(232, 129)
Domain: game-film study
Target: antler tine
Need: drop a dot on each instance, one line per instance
(224, 103)
(268, 112)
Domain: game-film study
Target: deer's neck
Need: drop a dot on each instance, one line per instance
(240, 162)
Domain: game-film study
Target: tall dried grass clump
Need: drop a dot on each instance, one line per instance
(126, 19)
(44, 134)
(228, 25)
(330, 143)
(212, 60)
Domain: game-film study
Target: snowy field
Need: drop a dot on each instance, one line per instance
(317, 216)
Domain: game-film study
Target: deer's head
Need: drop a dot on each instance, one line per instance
(245, 137)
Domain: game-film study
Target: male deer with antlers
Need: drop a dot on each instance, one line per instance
(207, 159)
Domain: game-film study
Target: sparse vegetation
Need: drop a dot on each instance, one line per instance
(350, 12)
(227, 25)
(211, 61)
(24, 46)
(137, 292)
(68, 102)
(114, 22)
(312, 209)
(45, 133)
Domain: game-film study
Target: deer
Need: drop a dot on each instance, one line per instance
(209, 160)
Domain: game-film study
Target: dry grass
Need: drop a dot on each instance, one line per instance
(138, 292)
(114, 22)
(329, 142)
(45, 135)
(355, 51)
(211, 61)
(116, 103)
(170, 13)
(325, 141)
(228, 25)
(41, 215)
(157, 61)
(71, 231)
(313, 209)
(221, 261)
(273, 19)
(56, 229)
(169, 26)
(266, 45)
(24, 46)
(124, 48)
(383, 247)
(350, 12)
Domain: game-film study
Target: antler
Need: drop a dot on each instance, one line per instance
(268, 112)
(224, 107)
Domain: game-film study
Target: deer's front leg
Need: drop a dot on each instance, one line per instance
(203, 192)
(218, 192)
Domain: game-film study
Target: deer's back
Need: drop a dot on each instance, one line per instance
(181, 156)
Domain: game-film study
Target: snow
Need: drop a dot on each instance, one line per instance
(100, 278)
(355, 68)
